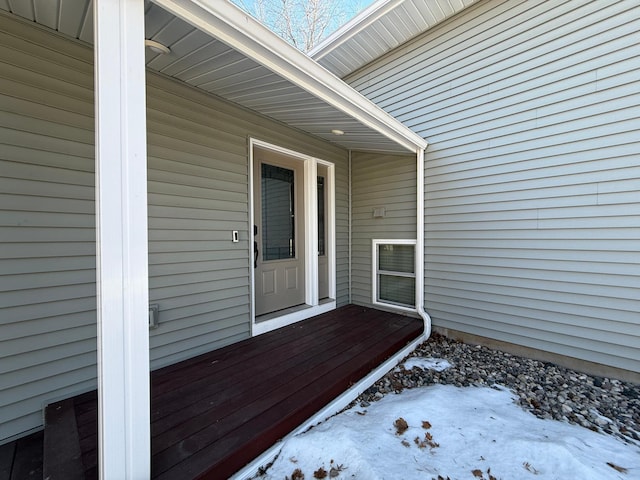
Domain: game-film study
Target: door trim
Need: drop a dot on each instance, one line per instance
(312, 305)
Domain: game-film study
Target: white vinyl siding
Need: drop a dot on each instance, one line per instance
(197, 193)
(379, 182)
(532, 111)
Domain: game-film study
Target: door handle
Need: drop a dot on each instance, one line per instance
(255, 254)
(255, 247)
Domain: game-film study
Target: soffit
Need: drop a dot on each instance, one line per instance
(380, 28)
(207, 63)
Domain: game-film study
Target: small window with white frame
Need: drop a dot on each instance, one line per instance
(394, 277)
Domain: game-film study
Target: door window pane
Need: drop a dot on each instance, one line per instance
(278, 215)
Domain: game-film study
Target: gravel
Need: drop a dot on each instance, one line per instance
(546, 390)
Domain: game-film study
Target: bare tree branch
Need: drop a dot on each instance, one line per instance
(303, 23)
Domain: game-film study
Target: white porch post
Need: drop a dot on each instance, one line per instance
(121, 243)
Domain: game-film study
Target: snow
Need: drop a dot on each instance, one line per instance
(473, 430)
(423, 363)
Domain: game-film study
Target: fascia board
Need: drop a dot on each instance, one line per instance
(231, 25)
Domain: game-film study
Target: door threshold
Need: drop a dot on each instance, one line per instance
(281, 318)
(279, 313)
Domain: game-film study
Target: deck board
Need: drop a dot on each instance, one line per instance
(7, 453)
(231, 374)
(27, 461)
(282, 368)
(273, 417)
(212, 414)
(62, 453)
(224, 420)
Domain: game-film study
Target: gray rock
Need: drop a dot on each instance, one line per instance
(544, 389)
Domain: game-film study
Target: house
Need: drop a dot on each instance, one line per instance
(153, 186)
(532, 174)
(527, 194)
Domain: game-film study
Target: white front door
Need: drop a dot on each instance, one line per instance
(279, 236)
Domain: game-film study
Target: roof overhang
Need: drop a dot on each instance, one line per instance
(217, 47)
(246, 35)
(378, 29)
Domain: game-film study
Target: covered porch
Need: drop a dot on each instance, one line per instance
(222, 413)
(130, 180)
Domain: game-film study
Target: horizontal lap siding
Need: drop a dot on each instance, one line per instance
(379, 181)
(198, 194)
(197, 188)
(532, 111)
(47, 226)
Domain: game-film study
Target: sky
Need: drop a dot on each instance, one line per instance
(344, 11)
(446, 432)
(351, 6)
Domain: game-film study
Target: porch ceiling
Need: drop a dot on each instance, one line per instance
(219, 49)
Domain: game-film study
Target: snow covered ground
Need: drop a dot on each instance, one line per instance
(442, 431)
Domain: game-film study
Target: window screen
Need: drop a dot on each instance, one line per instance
(395, 280)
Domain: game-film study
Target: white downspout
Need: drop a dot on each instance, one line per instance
(420, 244)
(350, 226)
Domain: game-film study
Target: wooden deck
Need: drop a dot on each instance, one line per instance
(22, 459)
(213, 414)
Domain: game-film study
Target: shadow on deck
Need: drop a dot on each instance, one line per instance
(213, 414)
